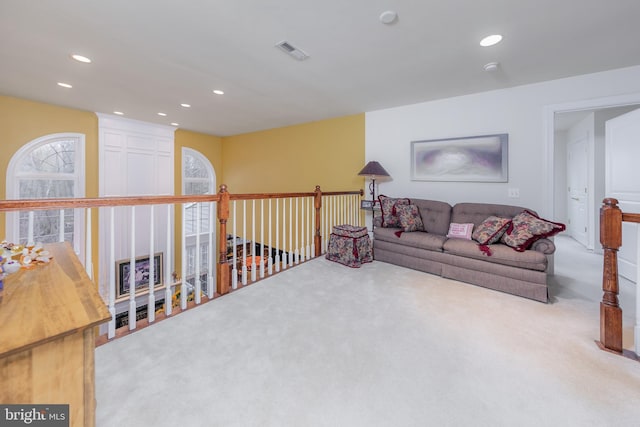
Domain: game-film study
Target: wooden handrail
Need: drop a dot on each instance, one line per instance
(223, 199)
(611, 218)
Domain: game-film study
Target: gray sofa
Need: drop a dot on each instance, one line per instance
(519, 273)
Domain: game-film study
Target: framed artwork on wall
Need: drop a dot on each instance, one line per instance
(482, 158)
(141, 271)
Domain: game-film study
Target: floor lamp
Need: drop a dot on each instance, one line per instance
(373, 170)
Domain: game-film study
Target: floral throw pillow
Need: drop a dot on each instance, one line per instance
(527, 227)
(409, 218)
(491, 230)
(460, 231)
(388, 208)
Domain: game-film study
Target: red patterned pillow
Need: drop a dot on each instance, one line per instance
(388, 207)
(491, 230)
(527, 227)
(409, 218)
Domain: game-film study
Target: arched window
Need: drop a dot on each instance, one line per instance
(198, 177)
(48, 167)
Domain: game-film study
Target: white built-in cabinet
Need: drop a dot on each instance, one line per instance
(135, 159)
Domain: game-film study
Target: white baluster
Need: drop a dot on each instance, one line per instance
(270, 260)
(30, 227)
(234, 267)
(296, 253)
(151, 301)
(168, 277)
(61, 225)
(303, 230)
(253, 240)
(262, 260)
(285, 254)
(277, 255)
(198, 286)
(290, 232)
(183, 265)
(88, 262)
(310, 214)
(210, 268)
(637, 327)
(111, 331)
(132, 272)
(244, 242)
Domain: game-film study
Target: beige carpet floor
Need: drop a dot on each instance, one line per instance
(326, 345)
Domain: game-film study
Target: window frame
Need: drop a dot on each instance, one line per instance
(13, 178)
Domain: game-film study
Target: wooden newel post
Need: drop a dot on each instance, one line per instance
(317, 203)
(223, 267)
(610, 311)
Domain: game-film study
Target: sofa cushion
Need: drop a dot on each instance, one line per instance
(409, 218)
(491, 230)
(526, 228)
(419, 239)
(478, 212)
(387, 206)
(436, 216)
(500, 254)
(460, 231)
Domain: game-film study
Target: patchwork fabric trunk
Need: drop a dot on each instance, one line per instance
(349, 245)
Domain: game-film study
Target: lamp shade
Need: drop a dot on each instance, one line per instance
(373, 168)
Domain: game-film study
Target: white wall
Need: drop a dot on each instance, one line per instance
(518, 111)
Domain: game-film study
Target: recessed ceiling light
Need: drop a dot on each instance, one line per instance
(66, 85)
(175, 124)
(185, 105)
(491, 66)
(490, 40)
(218, 92)
(120, 113)
(162, 114)
(388, 17)
(81, 58)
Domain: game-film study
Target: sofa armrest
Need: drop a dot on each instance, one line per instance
(546, 246)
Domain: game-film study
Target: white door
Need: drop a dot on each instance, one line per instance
(577, 189)
(622, 153)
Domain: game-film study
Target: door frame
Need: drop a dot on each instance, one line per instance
(549, 112)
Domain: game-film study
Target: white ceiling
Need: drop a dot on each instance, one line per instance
(151, 55)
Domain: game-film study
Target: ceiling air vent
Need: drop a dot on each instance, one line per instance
(293, 51)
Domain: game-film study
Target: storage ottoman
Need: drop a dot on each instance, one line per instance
(349, 245)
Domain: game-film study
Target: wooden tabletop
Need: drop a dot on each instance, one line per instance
(47, 302)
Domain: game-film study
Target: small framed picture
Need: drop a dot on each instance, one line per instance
(141, 274)
(366, 204)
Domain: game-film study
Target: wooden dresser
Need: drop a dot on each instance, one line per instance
(48, 317)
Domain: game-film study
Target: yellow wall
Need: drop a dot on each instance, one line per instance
(22, 121)
(329, 153)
